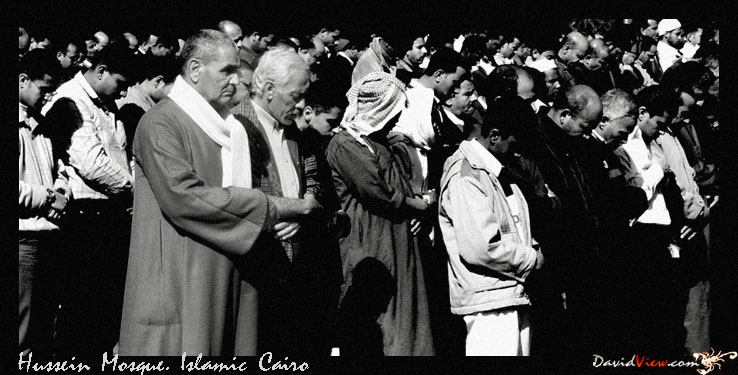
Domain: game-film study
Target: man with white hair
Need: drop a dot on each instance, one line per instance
(292, 312)
(615, 205)
(196, 215)
(670, 41)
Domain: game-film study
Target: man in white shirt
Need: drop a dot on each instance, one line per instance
(97, 226)
(656, 306)
(42, 197)
(670, 40)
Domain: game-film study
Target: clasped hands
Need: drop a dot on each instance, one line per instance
(285, 230)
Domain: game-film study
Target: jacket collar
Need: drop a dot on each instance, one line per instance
(479, 158)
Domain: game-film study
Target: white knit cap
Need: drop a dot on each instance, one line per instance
(668, 24)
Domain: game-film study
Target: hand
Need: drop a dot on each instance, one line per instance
(286, 230)
(60, 202)
(415, 226)
(687, 233)
(57, 207)
(54, 215)
(430, 196)
(311, 204)
(418, 204)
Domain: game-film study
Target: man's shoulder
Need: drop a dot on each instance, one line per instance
(69, 92)
(163, 111)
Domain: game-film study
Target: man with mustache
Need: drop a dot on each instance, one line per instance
(282, 266)
(670, 41)
(196, 216)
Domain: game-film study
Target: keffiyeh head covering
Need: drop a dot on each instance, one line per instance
(375, 59)
(373, 101)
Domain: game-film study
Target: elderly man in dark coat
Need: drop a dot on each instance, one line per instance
(195, 215)
(289, 271)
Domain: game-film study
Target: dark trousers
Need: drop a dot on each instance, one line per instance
(296, 316)
(655, 294)
(95, 257)
(36, 302)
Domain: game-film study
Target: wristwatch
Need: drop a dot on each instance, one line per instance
(50, 197)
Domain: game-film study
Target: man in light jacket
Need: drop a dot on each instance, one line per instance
(486, 229)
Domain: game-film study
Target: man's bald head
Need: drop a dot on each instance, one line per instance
(598, 52)
(574, 48)
(230, 29)
(576, 110)
(102, 40)
(525, 83)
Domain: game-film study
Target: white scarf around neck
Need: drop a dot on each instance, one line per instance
(229, 133)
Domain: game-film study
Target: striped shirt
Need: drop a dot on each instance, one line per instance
(35, 175)
(97, 155)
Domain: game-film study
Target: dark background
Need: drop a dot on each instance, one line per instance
(538, 23)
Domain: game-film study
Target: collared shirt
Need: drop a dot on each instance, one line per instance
(667, 55)
(455, 119)
(137, 97)
(597, 136)
(345, 56)
(97, 152)
(642, 156)
(677, 159)
(500, 60)
(35, 163)
(689, 49)
(489, 160)
(287, 172)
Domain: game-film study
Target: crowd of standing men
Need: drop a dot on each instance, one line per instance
(239, 192)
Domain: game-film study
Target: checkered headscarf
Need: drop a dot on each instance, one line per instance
(373, 101)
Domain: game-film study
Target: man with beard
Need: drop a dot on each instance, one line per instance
(670, 41)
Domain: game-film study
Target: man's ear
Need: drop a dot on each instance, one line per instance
(59, 55)
(603, 123)
(308, 113)
(158, 81)
(494, 136)
(438, 75)
(269, 90)
(100, 70)
(193, 67)
(642, 114)
(23, 80)
(564, 115)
